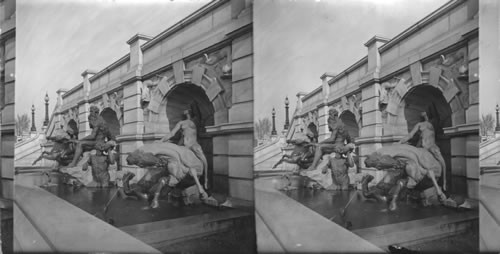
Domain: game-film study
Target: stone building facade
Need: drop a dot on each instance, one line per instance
(7, 94)
(204, 63)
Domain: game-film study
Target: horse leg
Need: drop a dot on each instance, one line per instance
(395, 194)
(157, 191)
(194, 174)
(47, 156)
(279, 162)
(37, 159)
(367, 193)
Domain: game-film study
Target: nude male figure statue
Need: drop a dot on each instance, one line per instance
(189, 140)
(428, 141)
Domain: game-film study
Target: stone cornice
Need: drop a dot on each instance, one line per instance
(142, 137)
(349, 69)
(137, 37)
(11, 33)
(421, 24)
(229, 128)
(311, 94)
(73, 90)
(462, 130)
(88, 71)
(240, 31)
(184, 22)
(110, 67)
(376, 38)
(382, 139)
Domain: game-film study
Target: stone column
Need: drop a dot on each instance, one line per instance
(372, 116)
(233, 140)
(323, 130)
(59, 103)
(84, 106)
(133, 114)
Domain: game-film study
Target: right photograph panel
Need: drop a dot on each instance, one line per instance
(368, 130)
(489, 149)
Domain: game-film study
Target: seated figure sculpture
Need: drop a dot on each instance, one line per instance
(98, 139)
(336, 143)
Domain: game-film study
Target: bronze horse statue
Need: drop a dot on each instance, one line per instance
(303, 151)
(302, 154)
(407, 167)
(62, 151)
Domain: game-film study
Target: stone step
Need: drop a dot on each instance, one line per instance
(47, 223)
(420, 231)
(161, 234)
(37, 177)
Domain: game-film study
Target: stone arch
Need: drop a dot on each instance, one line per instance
(213, 99)
(445, 86)
(199, 76)
(72, 115)
(312, 128)
(73, 126)
(111, 118)
(432, 100)
(351, 123)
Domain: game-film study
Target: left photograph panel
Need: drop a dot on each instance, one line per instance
(7, 116)
(134, 125)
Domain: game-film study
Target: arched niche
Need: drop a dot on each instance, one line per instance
(190, 96)
(111, 119)
(73, 126)
(113, 123)
(429, 99)
(313, 129)
(350, 122)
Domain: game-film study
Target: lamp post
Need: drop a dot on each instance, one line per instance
(497, 128)
(46, 122)
(33, 128)
(287, 122)
(273, 132)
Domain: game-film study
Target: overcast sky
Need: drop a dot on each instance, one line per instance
(489, 56)
(297, 41)
(57, 40)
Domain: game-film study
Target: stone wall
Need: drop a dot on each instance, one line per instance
(7, 95)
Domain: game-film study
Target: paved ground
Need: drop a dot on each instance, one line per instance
(241, 241)
(362, 213)
(463, 243)
(131, 212)
(123, 212)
